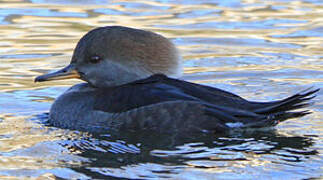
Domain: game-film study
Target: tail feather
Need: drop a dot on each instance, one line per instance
(274, 119)
(296, 101)
(261, 114)
(279, 111)
(288, 115)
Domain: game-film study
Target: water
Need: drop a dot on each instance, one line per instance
(262, 50)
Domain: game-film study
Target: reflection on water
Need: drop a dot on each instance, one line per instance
(262, 50)
(201, 156)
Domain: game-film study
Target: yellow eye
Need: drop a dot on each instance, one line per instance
(95, 59)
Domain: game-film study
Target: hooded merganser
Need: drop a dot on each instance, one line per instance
(131, 84)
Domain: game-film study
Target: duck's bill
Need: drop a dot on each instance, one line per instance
(68, 72)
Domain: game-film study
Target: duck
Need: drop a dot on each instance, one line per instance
(132, 83)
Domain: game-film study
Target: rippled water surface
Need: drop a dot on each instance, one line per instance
(262, 50)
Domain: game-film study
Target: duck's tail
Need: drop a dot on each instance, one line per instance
(278, 111)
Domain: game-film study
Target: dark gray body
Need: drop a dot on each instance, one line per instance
(166, 105)
(75, 110)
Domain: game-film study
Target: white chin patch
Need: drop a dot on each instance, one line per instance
(235, 125)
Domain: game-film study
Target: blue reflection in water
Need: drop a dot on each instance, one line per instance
(264, 24)
(71, 2)
(235, 42)
(6, 13)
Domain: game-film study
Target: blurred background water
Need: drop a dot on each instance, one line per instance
(262, 50)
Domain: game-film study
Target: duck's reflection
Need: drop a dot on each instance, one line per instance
(126, 151)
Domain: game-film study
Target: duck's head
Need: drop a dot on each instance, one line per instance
(115, 55)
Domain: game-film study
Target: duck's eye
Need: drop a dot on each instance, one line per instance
(95, 59)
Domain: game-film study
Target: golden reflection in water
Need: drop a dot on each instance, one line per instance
(21, 145)
(13, 125)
